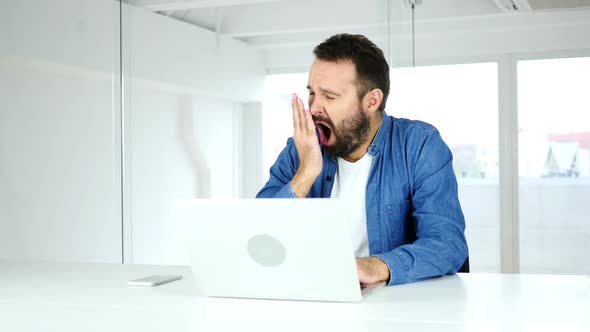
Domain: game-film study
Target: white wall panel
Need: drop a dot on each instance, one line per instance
(183, 136)
(181, 148)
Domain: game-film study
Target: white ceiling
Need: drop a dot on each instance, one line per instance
(276, 23)
(254, 18)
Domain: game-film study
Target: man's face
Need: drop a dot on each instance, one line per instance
(334, 104)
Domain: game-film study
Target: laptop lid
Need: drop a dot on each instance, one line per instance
(297, 249)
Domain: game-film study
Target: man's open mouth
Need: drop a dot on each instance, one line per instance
(325, 133)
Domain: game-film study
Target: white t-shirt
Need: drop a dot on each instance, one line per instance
(350, 185)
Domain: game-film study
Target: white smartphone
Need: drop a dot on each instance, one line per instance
(154, 280)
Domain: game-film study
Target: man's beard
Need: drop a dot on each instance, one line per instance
(350, 135)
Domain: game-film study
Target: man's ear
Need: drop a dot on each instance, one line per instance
(372, 100)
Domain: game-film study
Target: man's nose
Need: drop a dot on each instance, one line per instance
(315, 107)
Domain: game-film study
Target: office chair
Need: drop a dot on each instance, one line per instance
(465, 267)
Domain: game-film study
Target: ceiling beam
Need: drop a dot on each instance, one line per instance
(292, 16)
(496, 24)
(173, 5)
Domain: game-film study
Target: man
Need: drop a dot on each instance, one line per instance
(395, 174)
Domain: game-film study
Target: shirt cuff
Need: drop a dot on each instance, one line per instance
(399, 269)
(285, 192)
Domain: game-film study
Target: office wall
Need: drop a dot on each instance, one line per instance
(188, 105)
(181, 148)
(59, 150)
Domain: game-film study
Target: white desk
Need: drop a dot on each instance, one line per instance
(95, 297)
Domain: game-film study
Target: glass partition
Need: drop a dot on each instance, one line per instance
(60, 189)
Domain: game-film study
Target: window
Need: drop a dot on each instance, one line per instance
(554, 165)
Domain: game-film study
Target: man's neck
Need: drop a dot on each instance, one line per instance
(362, 150)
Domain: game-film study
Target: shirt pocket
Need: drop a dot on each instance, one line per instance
(398, 224)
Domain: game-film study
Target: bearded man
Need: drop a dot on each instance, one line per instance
(396, 175)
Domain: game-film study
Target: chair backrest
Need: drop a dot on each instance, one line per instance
(465, 267)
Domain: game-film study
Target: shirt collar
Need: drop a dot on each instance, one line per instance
(381, 137)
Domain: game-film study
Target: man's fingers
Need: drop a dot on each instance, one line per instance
(302, 119)
(296, 114)
(306, 119)
(360, 271)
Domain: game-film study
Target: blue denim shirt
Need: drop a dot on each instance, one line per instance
(414, 219)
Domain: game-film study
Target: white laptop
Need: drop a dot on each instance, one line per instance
(290, 249)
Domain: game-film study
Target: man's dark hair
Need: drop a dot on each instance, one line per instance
(372, 70)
